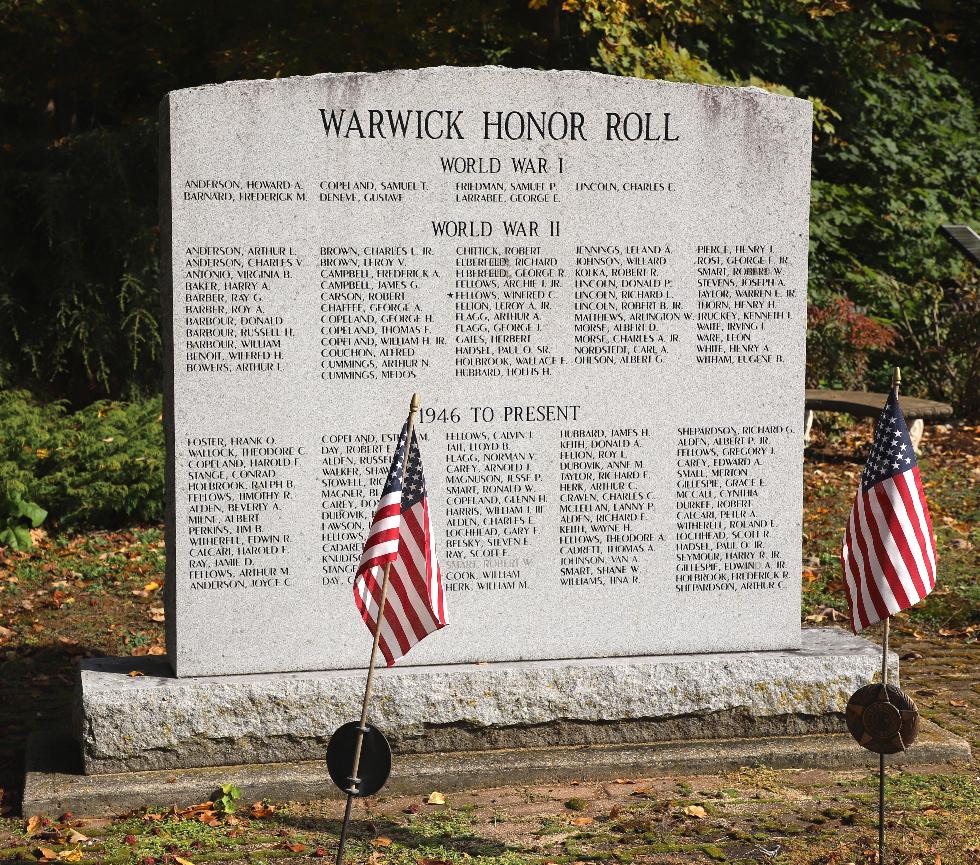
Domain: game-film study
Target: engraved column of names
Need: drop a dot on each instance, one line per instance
(239, 510)
(723, 540)
(606, 501)
(377, 311)
(625, 308)
(742, 297)
(235, 317)
(504, 309)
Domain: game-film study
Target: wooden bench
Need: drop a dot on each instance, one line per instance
(866, 404)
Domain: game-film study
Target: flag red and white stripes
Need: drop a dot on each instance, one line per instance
(888, 554)
(401, 533)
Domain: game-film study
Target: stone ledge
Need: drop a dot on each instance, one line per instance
(155, 721)
(54, 783)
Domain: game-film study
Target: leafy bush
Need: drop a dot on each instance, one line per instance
(101, 466)
(17, 518)
(226, 798)
(896, 146)
(840, 342)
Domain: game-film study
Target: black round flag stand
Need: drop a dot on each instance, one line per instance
(375, 763)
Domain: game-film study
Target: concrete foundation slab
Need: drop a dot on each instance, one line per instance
(133, 715)
(54, 783)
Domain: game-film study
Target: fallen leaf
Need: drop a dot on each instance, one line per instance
(695, 811)
(582, 821)
(151, 586)
(180, 860)
(46, 854)
(435, 798)
(383, 841)
(134, 673)
(71, 855)
(195, 812)
(296, 847)
(261, 809)
(156, 650)
(77, 837)
(959, 704)
(825, 613)
(156, 614)
(33, 824)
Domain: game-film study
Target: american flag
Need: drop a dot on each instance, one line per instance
(401, 533)
(889, 555)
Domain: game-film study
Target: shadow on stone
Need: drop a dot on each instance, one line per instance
(36, 694)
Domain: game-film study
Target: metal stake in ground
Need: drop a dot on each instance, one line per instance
(363, 728)
(896, 384)
(881, 757)
(881, 717)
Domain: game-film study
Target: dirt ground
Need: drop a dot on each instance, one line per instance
(78, 595)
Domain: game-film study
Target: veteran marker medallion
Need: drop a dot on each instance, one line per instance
(883, 720)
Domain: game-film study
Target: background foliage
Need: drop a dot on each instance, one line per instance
(896, 148)
(102, 465)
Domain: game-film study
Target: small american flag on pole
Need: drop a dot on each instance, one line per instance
(401, 538)
(888, 555)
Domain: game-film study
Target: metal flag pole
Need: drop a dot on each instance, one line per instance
(896, 384)
(881, 757)
(362, 727)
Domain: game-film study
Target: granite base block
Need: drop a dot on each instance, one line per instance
(54, 783)
(155, 721)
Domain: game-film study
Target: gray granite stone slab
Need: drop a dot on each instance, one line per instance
(156, 721)
(612, 392)
(53, 785)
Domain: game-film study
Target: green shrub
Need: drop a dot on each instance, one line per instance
(100, 466)
(17, 518)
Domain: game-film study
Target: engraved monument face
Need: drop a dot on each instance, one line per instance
(598, 287)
